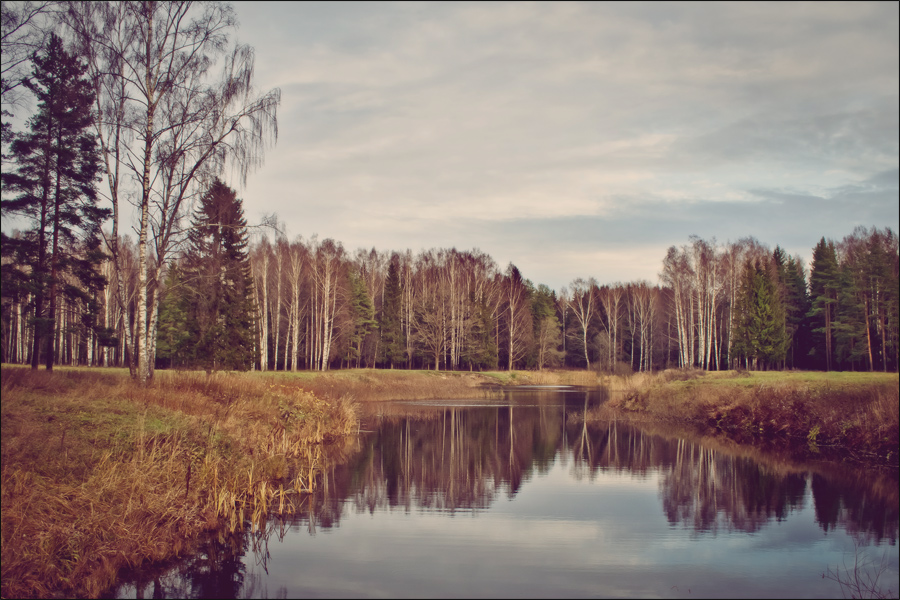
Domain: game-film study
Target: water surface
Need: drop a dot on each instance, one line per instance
(518, 497)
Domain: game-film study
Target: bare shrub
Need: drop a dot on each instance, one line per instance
(862, 579)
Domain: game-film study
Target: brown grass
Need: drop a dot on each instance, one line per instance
(376, 385)
(844, 416)
(100, 474)
(546, 377)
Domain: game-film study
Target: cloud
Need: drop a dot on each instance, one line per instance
(583, 132)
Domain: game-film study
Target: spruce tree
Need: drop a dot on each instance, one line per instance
(173, 335)
(760, 334)
(796, 307)
(482, 351)
(218, 284)
(54, 186)
(788, 274)
(391, 332)
(362, 315)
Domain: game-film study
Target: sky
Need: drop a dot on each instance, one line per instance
(577, 139)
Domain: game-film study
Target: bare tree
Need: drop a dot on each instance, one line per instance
(519, 326)
(259, 263)
(298, 259)
(611, 300)
(677, 274)
(166, 121)
(24, 28)
(327, 297)
(583, 307)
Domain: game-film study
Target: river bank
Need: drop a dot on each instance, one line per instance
(848, 417)
(100, 475)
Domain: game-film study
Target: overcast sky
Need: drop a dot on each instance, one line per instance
(577, 140)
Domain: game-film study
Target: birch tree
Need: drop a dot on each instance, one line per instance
(582, 302)
(610, 298)
(167, 121)
(519, 327)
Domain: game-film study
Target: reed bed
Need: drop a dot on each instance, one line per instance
(852, 417)
(100, 474)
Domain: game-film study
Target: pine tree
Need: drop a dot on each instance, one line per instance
(482, 350)
(218, 283)
(57, 168)
(850, 348)
(869, 257)
(823, 292)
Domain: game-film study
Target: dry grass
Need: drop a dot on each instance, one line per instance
(375, 385)
(545, 377)
(99, 474)
(850, 416)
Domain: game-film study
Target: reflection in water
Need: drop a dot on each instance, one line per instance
(462, 459)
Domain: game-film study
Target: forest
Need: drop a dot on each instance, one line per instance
(142, 116)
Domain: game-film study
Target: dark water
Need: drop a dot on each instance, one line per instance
(517, 497)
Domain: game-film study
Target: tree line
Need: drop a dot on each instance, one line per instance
(227, 302)
(130, 110)
(171, 105)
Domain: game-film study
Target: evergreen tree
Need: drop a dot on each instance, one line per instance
(217, 281)
(547, 330)
(391, 332)
(796, 307)
(173, 336)
(791, 286)
(760, 334)
(57, 168)
(869, 258)
(886, 284)
(482, 350)
(850, 349)
(823, 292)
(362, 315)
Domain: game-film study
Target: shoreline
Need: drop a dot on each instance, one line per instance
(101, 475)
(841, 417)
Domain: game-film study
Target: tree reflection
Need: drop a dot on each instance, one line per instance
(215, 570)
(462, 459)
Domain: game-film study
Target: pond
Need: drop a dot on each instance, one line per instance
(519, 497)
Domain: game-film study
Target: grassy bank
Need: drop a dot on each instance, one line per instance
(846, 416)
(100, 474)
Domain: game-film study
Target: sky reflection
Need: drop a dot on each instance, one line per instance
(527, 501)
